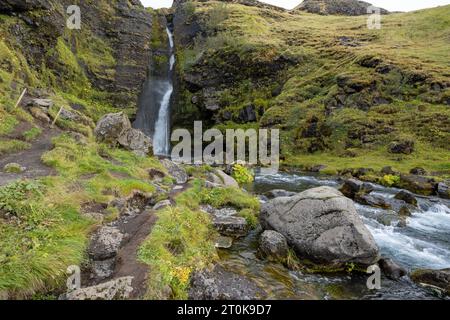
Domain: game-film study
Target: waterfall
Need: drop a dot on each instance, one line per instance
(161, 135)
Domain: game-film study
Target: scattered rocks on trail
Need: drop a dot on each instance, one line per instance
(40, 103)
(391, 270)
(406, 196)
(162, 204)
(103, 248)
(220, 284)
(273, 246)
(156, 175)
(223, 242)
(110, 127)
(277, 193)
(105, 243)
(226, 221)
(353, 187)
(117, 289)
(175, 171)
(323, 225)
(39, 114)
(134, 203)
(433, 278)
(136, 141)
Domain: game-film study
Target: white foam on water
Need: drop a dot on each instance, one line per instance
(162, 130)
(409, 250)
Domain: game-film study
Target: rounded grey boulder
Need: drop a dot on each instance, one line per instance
(323, 225)
(273, 246)
(110, 127)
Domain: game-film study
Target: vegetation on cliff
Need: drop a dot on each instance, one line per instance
(343, 95)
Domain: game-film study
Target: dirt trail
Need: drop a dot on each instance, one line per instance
(137, 230)
(127, 264)
(30, 159)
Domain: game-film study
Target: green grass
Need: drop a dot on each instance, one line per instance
(47, 232)
(32, 134)
(182, 240)
(356, 133)
(11, 146)
(32, 242)
(180, 243)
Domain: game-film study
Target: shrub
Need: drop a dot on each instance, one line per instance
(242, 175)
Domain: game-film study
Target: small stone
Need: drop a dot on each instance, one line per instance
(406, 196)
(14, 168)
(105, 243)
(391, 269)
(231, 226)
(162, 204)
(273, 246)
(418, 171)
(39, 114)
(224, 242)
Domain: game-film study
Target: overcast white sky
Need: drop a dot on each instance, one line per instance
(397, 5)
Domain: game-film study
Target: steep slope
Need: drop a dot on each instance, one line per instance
(105, 61)
(336, 7)
(345, 96)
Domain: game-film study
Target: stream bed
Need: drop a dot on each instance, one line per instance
(423, 243)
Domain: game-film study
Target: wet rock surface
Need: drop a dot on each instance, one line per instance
(434, 278)
(273, 246)
(220, 284)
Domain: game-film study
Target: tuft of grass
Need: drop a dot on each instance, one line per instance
(32, 134)
(11, 146)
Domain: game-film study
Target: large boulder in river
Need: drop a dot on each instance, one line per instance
(111, 126)
(136, 141)
(323, 225)
(433, 278)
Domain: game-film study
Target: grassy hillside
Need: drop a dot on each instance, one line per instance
(340, 92)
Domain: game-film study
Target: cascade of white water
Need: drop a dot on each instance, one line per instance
(162, 126)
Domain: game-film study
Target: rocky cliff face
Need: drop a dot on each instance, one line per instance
(336, 7)
(111, 51)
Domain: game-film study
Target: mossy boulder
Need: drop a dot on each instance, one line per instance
(434, 278)
(14, 168)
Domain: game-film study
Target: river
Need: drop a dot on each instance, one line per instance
(423, 243)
